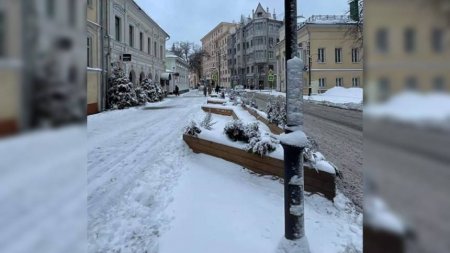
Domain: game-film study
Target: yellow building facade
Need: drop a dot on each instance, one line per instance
(215, 44)
(407, 47)
(331, 54)
(94, 58)
(10, 66)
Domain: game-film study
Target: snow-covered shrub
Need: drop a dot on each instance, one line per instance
(235, 130)
(207, 121)
(192, 129)
(310, 149)
(233, 94)
(251, 130)
(141, 95)
(248, 99)
(262, 145)
(276, 111)
(121, 93)
(153, 90)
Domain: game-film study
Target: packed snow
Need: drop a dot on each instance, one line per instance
(42, 191)
(295, 139)
(148, 192)
(339, 95)
(416, 108)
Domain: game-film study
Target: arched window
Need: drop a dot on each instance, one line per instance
(141, 77)
(132, 77)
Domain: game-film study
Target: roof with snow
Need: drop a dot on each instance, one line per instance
(329, 20)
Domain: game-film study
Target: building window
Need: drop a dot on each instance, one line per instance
(339, 81)
(437, 42)
(355, 82)
(2, 35)
(321, 55)
(409, 40)
(355, 55)
(118, 30)
(322, 83)
(382, 40)
(161, 53)
(338, 55)
(411, 83)
(439, 83)
(155, 49)
(149, 46)
(270, 54)
(141, 41)
(51, 8)
(89, 3)
(384, 88)
(131, 36)
(89, 51)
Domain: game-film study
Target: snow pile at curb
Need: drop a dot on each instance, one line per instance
(416, 108)
(345, 98)
(378, 215)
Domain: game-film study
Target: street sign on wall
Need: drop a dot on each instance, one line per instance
(126, 57)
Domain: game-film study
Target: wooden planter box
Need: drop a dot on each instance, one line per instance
(315, 181)
(215, 102)
(225, 111)
(273, 128)
(380, 240)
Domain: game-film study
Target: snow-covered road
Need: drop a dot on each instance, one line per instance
(133, 160)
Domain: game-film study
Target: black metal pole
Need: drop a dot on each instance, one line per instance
(292, 155)
(309, 75)
(290, 27)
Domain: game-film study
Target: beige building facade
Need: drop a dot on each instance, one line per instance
(42, 63)
(95, 82)
(331, 54)
(408, 47)
(215, 43)
(10, 66)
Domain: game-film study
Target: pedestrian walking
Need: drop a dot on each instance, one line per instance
(177, 90)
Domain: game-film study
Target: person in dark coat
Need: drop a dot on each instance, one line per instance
(217, 89)
(177, 90)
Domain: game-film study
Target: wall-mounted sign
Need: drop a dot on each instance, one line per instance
(126, 57)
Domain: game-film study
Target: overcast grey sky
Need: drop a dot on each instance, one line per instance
(190, 20)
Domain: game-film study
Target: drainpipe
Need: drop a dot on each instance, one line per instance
(102, 57)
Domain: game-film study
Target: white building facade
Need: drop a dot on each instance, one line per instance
(131, 31)
(179, 69)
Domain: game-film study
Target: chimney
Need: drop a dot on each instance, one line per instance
(274, 15)
(253, 13)
(267, 10)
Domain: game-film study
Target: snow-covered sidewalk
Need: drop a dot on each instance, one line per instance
(219, 207)
(148, 192)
